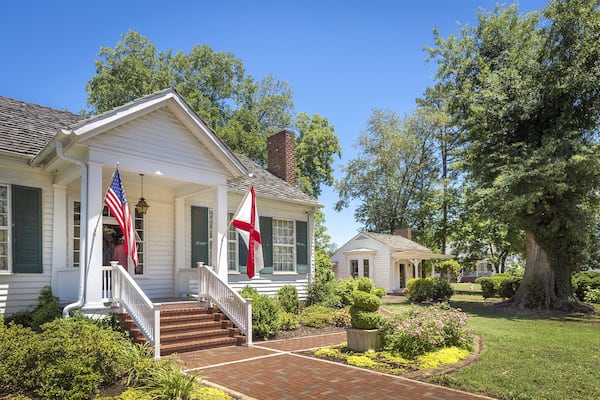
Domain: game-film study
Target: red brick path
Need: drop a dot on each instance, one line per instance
(272, 371)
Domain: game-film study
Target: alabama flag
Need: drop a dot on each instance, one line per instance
(247, 225)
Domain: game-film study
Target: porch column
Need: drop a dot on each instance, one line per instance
(415, 264)
(93, 285)
(220, 225)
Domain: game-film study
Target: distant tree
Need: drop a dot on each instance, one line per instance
(524, 94)
(316, 148)
(392, 175)
(244, 112)
(134, 68)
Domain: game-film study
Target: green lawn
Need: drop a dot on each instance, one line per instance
(534, 356)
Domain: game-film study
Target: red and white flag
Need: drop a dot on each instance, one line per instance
(247, 225)
(117, 204)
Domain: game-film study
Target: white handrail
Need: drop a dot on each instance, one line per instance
(234, 306)
(119, 286)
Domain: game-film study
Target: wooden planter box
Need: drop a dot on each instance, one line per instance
(363, 339)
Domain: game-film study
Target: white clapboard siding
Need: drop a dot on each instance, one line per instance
(158, 136)
(270, 288)
(157, 282)
(19, 292)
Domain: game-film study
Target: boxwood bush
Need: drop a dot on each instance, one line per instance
(287, 297)
(422, 290)
(584, 281)
(69, 359)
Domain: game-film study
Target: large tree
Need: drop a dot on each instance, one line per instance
(244, 112)
(524, 94)
(393, 174)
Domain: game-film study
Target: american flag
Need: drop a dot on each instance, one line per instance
(117, 204)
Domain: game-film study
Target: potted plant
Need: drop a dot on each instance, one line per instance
(364, 332)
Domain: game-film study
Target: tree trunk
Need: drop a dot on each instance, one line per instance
(539, 286)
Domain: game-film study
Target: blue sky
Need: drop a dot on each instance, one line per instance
(342, 58)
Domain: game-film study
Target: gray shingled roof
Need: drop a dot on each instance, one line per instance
(26, 128)
(396, 242)
(268, 185)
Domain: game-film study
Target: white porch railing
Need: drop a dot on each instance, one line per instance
(119, 286)
(237, 309)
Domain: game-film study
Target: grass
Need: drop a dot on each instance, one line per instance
(527, 356)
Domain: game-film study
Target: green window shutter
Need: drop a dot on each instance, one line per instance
(266, 235)
(27, 229)
(199, 235)
(242, 254)
(301, 247)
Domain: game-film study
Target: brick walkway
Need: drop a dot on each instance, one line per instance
(274, 371)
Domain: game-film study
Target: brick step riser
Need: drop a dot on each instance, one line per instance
(186, 347)
(189, 330)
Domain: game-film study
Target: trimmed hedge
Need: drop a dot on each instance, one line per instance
(499, 285)
(584, 282)
(422, 290)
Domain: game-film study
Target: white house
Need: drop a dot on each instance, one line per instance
(55, 168)
(389, 260)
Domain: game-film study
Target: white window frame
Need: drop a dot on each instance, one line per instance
(353, 264)
(233, 264)
(289, 243)
(72, 238)
(7, 228)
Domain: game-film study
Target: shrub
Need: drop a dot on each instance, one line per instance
(316, 316)
(487, 286)
(322, 293)
(289, 321)
(509, 287)
(69, 359)
(364, 313)
(379, 292)
(248, 292)
(265, 316)
(365, 319)
(366, 301)
(47, 310)
(340, 318)
(592, 295)
(442, 291)
(287, 297)
(426, 329)
(364, 284)
(421, 290)
(583, 280)
(344, 289)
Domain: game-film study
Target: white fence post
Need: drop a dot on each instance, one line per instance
(157, 331)
(249, 322)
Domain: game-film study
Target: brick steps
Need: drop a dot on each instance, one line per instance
(188, 327)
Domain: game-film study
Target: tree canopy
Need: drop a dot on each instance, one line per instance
(243, 111)
(523, 93)
(392, 175)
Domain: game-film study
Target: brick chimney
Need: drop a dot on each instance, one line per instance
(404, 232)
(281, 153)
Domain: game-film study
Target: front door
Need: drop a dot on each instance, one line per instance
(402, 276)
